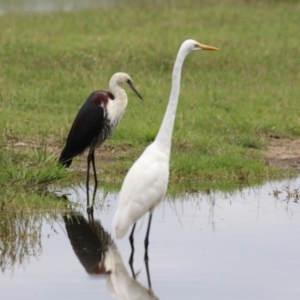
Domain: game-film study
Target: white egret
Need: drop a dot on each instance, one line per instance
(146, 182)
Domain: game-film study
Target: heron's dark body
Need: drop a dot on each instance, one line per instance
(90, 128)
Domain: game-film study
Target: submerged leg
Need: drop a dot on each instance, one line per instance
(147, 238)
(132, 249)
(132, 243)
(95, 177)
(90, 213)
(148, 275)
(132, 270)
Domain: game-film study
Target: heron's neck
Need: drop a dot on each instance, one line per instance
(116, 107)
(164, 136)
(117, 91)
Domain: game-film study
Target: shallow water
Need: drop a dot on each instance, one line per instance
(219, 246)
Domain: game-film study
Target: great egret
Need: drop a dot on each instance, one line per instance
(146, 182)
(95, 122)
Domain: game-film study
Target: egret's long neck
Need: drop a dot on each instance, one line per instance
(164, 136)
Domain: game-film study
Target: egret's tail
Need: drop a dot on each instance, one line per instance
(120, 226)
(120, 233)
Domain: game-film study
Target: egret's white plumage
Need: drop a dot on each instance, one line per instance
(146, 182)
(143, 188)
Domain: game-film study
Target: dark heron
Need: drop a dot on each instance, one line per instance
(95, 122)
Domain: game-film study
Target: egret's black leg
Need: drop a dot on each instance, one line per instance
(147, 238)
(131, 243)
(132, 270)
(148, 275)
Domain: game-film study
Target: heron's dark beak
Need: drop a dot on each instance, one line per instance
(135, 90)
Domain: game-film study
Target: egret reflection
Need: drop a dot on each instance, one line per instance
(120, 284)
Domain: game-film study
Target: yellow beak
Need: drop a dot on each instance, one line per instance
(206, 47)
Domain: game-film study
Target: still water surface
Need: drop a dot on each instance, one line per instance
(219, 246)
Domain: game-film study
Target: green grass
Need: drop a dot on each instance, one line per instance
(230, 101)
(25, 179)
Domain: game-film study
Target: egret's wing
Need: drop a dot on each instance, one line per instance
(143, 188)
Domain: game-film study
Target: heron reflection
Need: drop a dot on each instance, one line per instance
(89, 241)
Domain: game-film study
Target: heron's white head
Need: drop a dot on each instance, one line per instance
(192, 45)
(123, 78)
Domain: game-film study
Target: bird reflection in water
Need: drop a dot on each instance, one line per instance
(120, 284)
(98, 254)
(89, 241)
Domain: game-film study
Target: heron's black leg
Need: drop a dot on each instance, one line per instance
(89, 157)
(147, 238)
(95, 176)
(148, 274)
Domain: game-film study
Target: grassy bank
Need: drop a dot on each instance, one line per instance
(230, 101)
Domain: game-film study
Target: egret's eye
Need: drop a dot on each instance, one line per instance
(129, 81)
